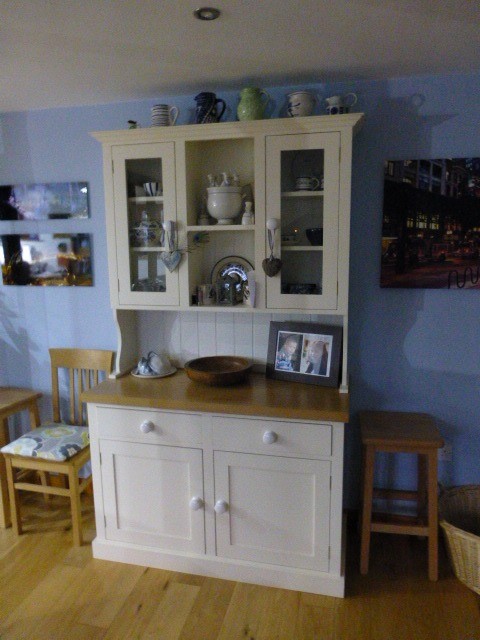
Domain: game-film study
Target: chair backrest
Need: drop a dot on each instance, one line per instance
(84, 366)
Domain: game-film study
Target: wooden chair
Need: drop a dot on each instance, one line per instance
(59, 447)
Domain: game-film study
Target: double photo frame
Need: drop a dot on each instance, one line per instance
(305, 352)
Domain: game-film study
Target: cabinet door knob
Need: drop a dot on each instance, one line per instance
(269, 437)
(221, 506)
(196, 503)
(147, 426)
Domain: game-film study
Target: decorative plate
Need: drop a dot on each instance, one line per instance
(154, 375)
(233, 266)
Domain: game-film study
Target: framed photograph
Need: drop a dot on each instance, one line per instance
(304, 352)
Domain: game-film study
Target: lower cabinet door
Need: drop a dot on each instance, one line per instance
(273, 510)
(153, 495)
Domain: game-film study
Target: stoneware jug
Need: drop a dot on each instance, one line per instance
(300, 103)
(252, 104)
(206, 110)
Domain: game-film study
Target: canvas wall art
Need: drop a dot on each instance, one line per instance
(431, 224)
(50, 201)
(58, 259)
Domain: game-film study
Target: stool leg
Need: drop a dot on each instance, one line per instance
(432, 516)
(422, 488)
(368, 468)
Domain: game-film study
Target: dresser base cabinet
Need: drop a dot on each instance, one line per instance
(246, 498)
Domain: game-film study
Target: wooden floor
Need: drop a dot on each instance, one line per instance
(52, 591)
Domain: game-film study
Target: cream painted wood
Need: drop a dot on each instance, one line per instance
(329, 143)
(272, 437)
(276, 510)
(287, 525)
(198, 150)
(150, 427)
(147, 493)
(126, 256)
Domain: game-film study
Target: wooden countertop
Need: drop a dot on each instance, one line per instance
(257, 396)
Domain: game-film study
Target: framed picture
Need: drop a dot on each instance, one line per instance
(431, 224)
(304, 352)
(49, 201)
(58, 259)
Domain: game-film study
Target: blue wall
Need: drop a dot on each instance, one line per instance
(412, 350)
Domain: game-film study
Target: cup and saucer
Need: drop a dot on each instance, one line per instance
(153, 366)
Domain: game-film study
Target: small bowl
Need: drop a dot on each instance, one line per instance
(218, 371)
(315, 236)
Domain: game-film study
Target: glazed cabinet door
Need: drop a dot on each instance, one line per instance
(302, 199)
(153, 495)
(273, 510)
(145, 205)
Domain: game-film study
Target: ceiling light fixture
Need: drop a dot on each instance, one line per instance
(206, 13)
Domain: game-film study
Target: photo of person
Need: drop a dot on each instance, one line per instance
(288, 351)
(316, 355)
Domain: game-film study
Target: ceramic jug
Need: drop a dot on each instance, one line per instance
(252, 104)
(206, 110)
(336, 105)
(300, 103)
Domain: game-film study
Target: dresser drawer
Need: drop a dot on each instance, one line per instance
(149, 425)
(272, 437)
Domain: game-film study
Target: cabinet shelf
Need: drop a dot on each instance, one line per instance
(145, 199)
(289, 247)
(302, 194)
(214, 228)
(147, 249)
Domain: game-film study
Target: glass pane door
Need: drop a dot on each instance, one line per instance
(302, 196)
(146, 227)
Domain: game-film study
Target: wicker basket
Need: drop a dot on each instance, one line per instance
(460, 521)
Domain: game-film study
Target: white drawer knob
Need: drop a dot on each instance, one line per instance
(269, 437)
(147, 426)
(196, 503)
(221, 506)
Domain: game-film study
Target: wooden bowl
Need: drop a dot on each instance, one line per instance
(218, 371)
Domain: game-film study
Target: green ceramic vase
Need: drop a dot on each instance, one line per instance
(252, 104)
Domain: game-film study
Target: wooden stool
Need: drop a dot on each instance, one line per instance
(396, 432)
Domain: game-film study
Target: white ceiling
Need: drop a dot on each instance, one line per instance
(81, 52)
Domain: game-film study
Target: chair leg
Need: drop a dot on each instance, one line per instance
(14, 498)
(432, 516)
(75, 506)
(367, 499)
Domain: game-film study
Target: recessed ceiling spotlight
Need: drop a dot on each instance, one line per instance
(206, 13)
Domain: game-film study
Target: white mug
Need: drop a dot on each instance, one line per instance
(337, 105)
(164, 115)
(306, 183)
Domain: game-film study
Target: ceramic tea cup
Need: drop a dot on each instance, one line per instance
(159, 364)
(164, 115)
(151, 188)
